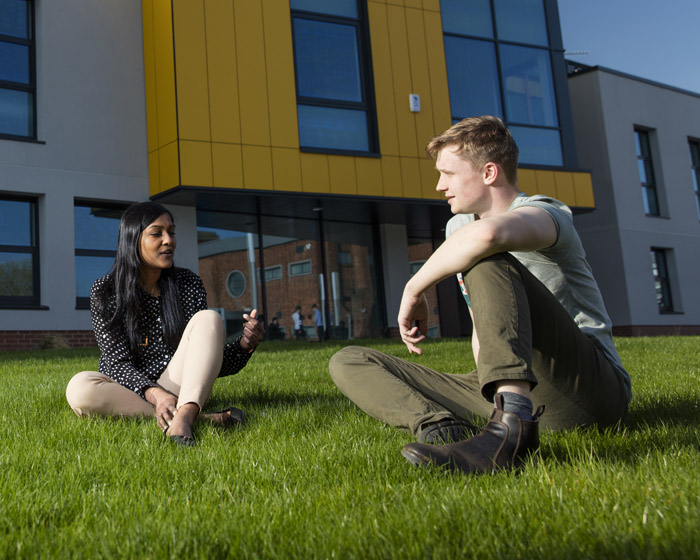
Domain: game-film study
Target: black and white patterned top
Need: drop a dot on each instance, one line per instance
(139, 372)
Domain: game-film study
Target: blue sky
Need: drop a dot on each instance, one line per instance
(654, 39)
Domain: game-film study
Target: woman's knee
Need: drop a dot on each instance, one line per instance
(210, 320)
(80, 392)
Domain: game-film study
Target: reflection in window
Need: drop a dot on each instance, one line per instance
(272, 273)
(301, 268)
(17, 84)
(521, 21)
(235, 284)
(332, 76)
(225, 243)
(523, 92)
(646, 172)
(527, 85)
(19, 254)
(96, 231)
(419, 250)
(471, 62)
(662, 283)
(467, 18)
(695, 171)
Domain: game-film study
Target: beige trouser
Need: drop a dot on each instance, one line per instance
(189, 376)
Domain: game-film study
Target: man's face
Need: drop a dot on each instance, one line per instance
(462, 184)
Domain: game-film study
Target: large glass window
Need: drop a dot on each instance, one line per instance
(228, 265)
(96, 230)
(499, 63)
(646, 172)
(327, 264)
(17, 84)
(662, 281)
(695, 171)
(19, 253)
(331, 57)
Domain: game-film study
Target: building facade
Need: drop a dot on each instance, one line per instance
(642, 142)
(285, 136)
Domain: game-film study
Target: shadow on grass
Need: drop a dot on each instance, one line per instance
(665, 424)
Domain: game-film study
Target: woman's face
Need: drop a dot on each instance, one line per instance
(157, 244)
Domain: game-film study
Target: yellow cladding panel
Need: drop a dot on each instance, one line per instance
(432, 5)
(413, 3)
(584, 190)
(391, 173)
(369, 176)
(565, 187)
(286, 169)
(191, 56)
(223, 73)
(169, 166)
(401, 68)
(420, 78)
(153, 173)
(284, 130)
(527, 181)
(410, 174)
(342, 173)
(383, 82)
(227, 165)
(252, 77)
(440, 95)
(315, 175)
(257, 167)
(196, 163)
(149, 63)
(429, 178)
(164, 72)
(545, 183)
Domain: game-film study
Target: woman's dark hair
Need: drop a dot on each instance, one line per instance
(124, 280)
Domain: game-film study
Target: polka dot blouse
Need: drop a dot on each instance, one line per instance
(139, 372)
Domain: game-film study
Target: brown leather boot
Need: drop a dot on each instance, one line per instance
(503, 444)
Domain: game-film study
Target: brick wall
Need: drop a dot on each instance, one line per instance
(33, 340)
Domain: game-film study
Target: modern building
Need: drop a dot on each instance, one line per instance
(286, 136)
(641, 140)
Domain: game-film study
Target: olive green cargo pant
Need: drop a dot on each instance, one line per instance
(524, 334)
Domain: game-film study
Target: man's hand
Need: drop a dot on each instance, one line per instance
(414, 309)
(165, 404)
(253, 331)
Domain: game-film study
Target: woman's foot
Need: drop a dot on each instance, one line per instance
(180, 429)
(229, 418)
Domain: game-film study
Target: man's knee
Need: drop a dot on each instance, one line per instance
(342, 362)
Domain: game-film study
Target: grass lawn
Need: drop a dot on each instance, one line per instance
(311, 476)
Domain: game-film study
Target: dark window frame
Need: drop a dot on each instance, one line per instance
(18, 86)
(499, 69)
(33, 301)
(368, 103)
(694, 146)
(650, 190)
(84, 302)
(662, 276)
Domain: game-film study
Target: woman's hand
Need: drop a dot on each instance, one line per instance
(165, 404)
(253, 331)
(413, 309)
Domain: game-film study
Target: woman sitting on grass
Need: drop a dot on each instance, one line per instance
(161, 349)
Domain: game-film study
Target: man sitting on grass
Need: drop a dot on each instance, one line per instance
(541, 338)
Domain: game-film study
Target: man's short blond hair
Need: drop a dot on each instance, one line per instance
(480, 140)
